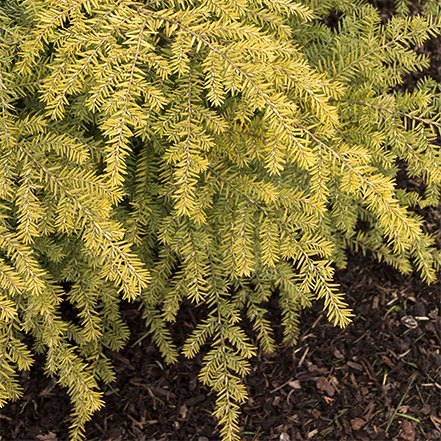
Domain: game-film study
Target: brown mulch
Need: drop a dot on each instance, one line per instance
(378, 379)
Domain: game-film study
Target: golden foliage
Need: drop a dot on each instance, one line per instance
(216, 153)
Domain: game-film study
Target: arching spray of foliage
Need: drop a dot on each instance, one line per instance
(217, 152)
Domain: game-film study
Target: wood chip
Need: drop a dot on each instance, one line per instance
(407, 431)
(51, 436)
(409, 322)
(357, 423)
(183, 412)
(295, 384)
(426, 409)
(312, 433)
(356, 366)
(323, 385)
(436, 421)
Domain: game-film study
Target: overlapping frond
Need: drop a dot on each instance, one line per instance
(214, 153)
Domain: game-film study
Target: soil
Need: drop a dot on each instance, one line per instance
(378, 379)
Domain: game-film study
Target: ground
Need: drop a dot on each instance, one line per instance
(375, 380)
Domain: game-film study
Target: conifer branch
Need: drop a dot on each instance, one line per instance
(394, 111)
(218, 153)
(119, 265)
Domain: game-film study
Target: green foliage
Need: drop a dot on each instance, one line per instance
(405, 7)
(219, 153)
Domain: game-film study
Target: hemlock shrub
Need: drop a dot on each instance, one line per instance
(216, 152)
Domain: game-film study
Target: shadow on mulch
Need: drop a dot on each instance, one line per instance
(378, 379)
